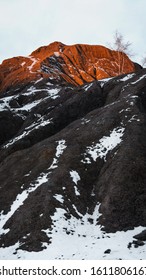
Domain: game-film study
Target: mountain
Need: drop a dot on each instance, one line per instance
(72, 155)
(75, 64)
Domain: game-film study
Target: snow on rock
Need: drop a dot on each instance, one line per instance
(28, 106)
(104, 81)
(135, 82)
(76, 191)
(60, 148)
(19, 201)
(134, 118)
(59, 151)
(52, 92)
(86, 87)
(77, 239)
(4, 103)
(127, 77)
(106, 144)
(85, 121)
(34, 61)
(12, 141)
(75, 177)
(56, 54)
(23, 63)
(27, 131)
(59, 197)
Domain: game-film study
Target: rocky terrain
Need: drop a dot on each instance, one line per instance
(72, 154)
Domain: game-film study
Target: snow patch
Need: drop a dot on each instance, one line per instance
(53, 93)
(60, 148)
(38, 81)
(104, 81)
(142, 77)
(59, 197)
(59, 151)
(86, 87)
(134, 118)
(34, 61)
(75, 177)
(77, 239)
(23, 63)
(28, 106)
(76, 191)
(84, 121)
(106, 144)
(56, 54)
(127, 77)
(4, 103)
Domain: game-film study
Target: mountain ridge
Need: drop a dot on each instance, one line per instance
(75, 64)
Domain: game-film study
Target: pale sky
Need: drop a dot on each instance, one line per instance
(26, 25)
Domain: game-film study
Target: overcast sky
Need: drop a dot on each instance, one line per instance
(26, 25)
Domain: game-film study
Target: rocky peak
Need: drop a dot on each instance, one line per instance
(75, 64)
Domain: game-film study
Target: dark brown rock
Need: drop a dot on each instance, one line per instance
(141, 236)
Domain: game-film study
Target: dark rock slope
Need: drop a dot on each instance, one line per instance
(70, 147)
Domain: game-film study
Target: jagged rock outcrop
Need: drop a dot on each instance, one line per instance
(71, 148)
(74, 64)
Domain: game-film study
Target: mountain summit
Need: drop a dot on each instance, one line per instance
(72, 155)
(74, 64)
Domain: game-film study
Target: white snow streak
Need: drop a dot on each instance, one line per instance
(59, 151)
(19, 201)
(134, 118)
(86, 87)
(34, 61)
(84, 120)
(52, 93)
(34, 126)
(144, 76)
(59, 197)
(127, 77)
(75, 177)
(23, 63)
(104, 81)
(106, 144)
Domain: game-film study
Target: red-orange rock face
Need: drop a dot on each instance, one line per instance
(75, 64)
